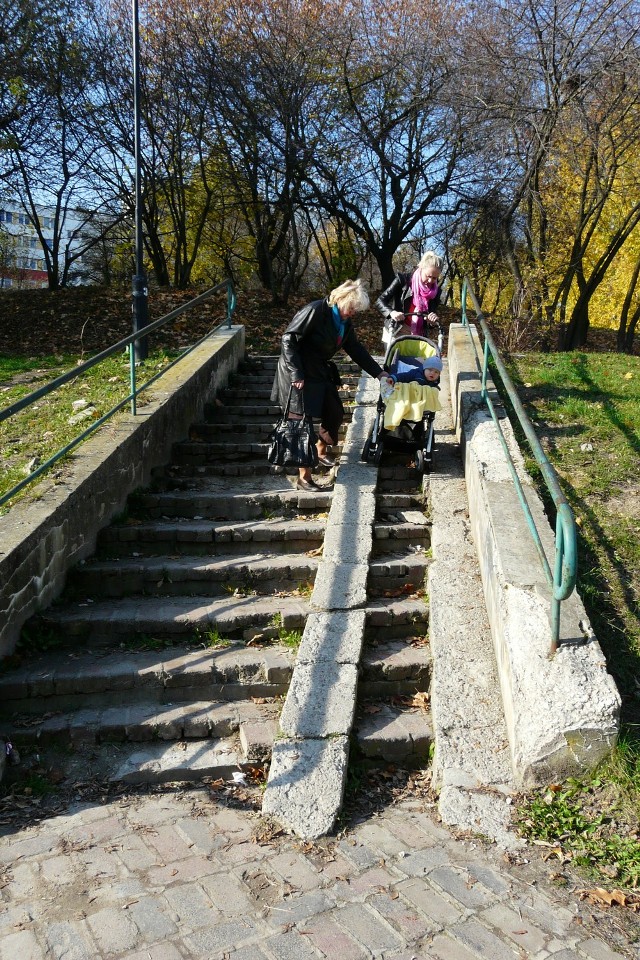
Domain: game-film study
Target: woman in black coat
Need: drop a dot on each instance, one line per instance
(313, 337)
(417, 292)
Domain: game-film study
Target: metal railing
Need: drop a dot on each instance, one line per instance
(135, 388)
(562, 579)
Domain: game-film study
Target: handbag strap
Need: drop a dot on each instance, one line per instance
(285, 413)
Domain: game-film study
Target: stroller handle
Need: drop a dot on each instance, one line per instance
(435, 326)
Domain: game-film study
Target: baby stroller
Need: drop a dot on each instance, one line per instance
(405, 414)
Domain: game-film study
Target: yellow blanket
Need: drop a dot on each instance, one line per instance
(409, 401)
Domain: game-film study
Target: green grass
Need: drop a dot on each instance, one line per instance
(33, 435)
(586, 411)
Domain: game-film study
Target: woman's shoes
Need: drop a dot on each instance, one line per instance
(326, 460)
(309, 485)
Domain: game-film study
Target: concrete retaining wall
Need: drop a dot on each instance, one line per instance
(57, 524)
(562, 711)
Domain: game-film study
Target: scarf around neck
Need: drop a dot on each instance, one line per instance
(422, 295)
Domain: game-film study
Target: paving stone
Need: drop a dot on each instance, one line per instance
(157, 951)
(190, 907)
(150, 920)
(483, 942)
(290, 946)
(596, 950)
(299, 908)
(222, 936)
(524, 934)
(333, 942)
(113, 930)
(461, 886)
(443, 948)
(368, 928)
(23, 945)
(69, 941)
(440, 911)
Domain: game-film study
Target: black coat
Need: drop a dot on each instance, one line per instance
(308, 344)
(398, 296)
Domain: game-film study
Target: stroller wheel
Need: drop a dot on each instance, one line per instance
(366, 450)
(377, 456)
(419, 461)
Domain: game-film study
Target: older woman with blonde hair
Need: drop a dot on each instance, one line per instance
(411, 293)
(313, 337)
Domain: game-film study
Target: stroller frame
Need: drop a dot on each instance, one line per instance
(422, 432)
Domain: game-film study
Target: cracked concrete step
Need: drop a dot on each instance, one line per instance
(237, 445)
(204, 536)
(201, 503)
(398, 573)
(389, 618)
(71, 681)
(173, 618)
(393, 733)
(173, 576)
(143, 722)
(394, 668)
(243, 413)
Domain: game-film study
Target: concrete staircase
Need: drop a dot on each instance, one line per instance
(174, 646)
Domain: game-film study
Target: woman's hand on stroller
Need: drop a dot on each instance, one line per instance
(432, 319)
(298, 384)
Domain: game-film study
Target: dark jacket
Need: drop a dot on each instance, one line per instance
(398, 296)
(308, 343)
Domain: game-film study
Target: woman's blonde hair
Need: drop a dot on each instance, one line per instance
(431, 259)
(350, 295)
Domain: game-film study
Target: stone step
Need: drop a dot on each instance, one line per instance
(245, 413)
(204, 536)
(384, 534)
(258, 467)
(393, 733)
(144, 722)
(229, 447)
(200, 619)
(389, 618)
(396, 576)
(165, 576)
(211, 504)
(394, 668)
(240, 431)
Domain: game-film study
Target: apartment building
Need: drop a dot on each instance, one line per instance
(22, 263)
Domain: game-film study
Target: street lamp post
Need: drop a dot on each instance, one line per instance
(140, 290)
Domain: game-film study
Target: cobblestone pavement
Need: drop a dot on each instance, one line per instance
(185, 874)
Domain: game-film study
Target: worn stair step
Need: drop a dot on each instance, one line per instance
(391, 503)
(394, 668)
(162, 576)
(391, 618)
(216, 431)
(186, 762)
(62, 679)
(211, 504)
(244, 413)
(386, 533)
(258, 467)
(393, 733)
(406, 573)
(203, 536)
(175, 618)
(202, 480)
(144, 721)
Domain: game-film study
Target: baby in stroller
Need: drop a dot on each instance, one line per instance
(406, 409)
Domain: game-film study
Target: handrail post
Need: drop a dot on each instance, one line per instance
(132, 379)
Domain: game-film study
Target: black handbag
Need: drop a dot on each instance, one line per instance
(293, 442)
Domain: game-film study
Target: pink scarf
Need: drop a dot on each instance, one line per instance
(422, 295)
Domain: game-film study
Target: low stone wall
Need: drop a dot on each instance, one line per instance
(562, 711)
(57, 524)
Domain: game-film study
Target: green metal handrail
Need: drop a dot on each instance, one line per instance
(562, 579)
(136, 389)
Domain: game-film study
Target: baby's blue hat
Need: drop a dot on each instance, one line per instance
(432, 363)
